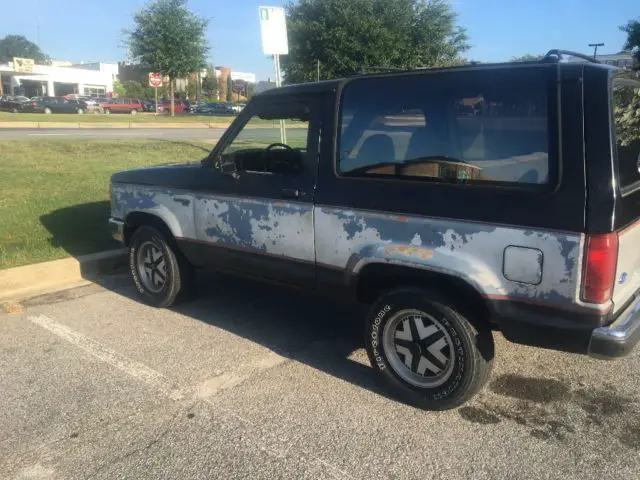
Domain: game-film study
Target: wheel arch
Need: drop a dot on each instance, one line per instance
(137, 219)
(374, 278)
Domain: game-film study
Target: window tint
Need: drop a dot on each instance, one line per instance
(260, 149)
(626, 108)
(460, 127)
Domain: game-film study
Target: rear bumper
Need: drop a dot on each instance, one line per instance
(619, 338)
(116, 229)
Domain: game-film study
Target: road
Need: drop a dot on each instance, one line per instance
(250, 381)
(202, 134)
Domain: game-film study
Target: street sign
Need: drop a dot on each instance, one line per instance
(155, 80)
(238, 86)
(273, 30)
(23, 65)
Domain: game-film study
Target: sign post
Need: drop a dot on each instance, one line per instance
(273, 30)
(155, 81)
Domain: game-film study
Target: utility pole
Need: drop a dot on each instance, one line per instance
(595, 48)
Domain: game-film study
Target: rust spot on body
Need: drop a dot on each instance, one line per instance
(409, 251)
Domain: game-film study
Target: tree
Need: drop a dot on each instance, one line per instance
(251, 89)
(632, 29)
(229, 89)
(118, 88)
(210, 85)
(526, 58)
(18, 46)
(348, 35)
(169, 39)
(136, 89)
(627, 100)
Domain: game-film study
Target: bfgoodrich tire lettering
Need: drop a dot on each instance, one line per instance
(158, 273)
(426, 349)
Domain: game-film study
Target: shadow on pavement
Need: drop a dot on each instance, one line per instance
(299, 325)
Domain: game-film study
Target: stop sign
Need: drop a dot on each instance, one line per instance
(155, 80)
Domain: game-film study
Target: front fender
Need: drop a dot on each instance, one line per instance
(174, 209)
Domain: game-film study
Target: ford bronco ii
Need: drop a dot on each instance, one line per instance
(454, 202)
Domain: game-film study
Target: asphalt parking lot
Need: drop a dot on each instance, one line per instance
(251, 381)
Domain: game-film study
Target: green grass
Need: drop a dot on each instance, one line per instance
(113, 118)
(54, 194)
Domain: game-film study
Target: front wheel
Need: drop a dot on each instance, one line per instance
(158, 272)
(134, 112)
(47, 111)
(427, 349)
(107, 111)
(80, 111)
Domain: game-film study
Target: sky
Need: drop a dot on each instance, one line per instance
(91, 30)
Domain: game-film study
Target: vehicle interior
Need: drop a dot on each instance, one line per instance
(269, 155)
(456, 135)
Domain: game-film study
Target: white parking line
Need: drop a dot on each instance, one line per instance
(135, 369)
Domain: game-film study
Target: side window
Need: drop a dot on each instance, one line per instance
(626, 110)
(273, 141)
(461, 127)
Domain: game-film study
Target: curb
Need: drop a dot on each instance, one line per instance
(98, 126)
(31, 280)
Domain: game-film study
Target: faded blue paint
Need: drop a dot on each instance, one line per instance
(137, 200)
(568, 247)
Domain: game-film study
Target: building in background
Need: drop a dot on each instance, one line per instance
(30, 80)
(620, 59)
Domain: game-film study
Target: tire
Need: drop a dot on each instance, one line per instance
(15, 110)
(80, 111)
(134, 112)
(47, 110)
(169, 276)
(449, 357)
(107, 111)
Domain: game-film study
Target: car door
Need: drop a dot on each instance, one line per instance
(57, 105)
(258, 219)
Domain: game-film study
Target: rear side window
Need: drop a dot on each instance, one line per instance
(464, 127)
(626, 110)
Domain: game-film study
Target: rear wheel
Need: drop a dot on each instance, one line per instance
(80, 111)
(47, 110)
(134, 112)
(107, 111)
(15, 110)
(158, 271)
(427, 349)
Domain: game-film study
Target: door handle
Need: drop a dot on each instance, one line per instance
(291, 193)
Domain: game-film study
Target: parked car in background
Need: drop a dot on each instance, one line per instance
(149, 105)
(17, 104)
(215, 108)
(62, 105)
(123, 105)
(180, 106)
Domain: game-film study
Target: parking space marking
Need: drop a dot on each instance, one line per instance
(132, 368)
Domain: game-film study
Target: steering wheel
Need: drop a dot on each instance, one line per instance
(284, 165)
(278, 144)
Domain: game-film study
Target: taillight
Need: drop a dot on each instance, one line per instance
(600, 259)
(33, 104)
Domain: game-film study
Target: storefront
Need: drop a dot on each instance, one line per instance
(25, 78)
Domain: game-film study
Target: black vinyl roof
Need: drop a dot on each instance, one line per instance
(330, 85)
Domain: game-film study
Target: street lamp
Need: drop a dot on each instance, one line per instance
(595, 48)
